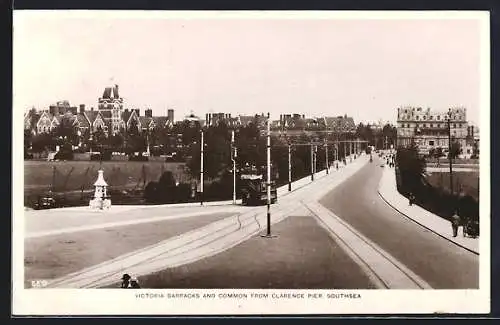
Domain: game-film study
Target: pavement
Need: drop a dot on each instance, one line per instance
(388, 191)
(361, 218)
(211, 239)
(455, 169)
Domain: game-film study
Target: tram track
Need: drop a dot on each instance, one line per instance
(383, 269)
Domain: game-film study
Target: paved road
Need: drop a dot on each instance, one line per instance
(439, 262)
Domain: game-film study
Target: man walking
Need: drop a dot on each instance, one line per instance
(455, 223)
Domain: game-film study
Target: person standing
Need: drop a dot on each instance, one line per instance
(455, 223)
(125, 281)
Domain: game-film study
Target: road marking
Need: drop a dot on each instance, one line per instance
(123, 223)
(381, 267)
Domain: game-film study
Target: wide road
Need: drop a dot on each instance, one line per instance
(436, 260)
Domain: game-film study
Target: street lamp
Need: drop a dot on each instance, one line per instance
(449, 151)
(268, 234)
(312, 162)
(234, 154)
(326, 156)
(201, 166)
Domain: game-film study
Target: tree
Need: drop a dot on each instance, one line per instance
(475, 150)
(67, 130)
(411, 168)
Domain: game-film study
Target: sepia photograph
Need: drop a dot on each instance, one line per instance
(251, 162)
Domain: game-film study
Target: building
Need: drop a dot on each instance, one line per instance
(110, 106)
(428, 129)
(110, 116)
(215, 119)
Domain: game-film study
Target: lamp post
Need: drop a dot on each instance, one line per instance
(345, 149)
(289, 167)
(326, 156)
(449, 151)
(201, 168)
(268, 233)
(312, 162)
(234, 154)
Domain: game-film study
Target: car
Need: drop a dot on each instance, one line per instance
(46, 202)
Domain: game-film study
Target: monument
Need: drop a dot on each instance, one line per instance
(101, 200)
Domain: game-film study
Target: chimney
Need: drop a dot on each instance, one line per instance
(82, 108)
(74, 110)
(54, 110)
(148, 113)
(170, 115)
(303, 116)
(62, 110)
(92, 109)
(138, 111)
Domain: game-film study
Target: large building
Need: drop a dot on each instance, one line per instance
(111, 107)
(429, 129)
(110, 116)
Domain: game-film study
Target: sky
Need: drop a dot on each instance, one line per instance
(364, 68)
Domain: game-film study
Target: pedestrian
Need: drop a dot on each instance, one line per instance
(125, 281)
(455, 223)
(411, 198)
(134, 284)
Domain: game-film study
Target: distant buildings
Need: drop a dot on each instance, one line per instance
(429, 129)
(110, 116)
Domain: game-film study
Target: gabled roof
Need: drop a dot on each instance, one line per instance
(111, 92)
(126, 115)
(91, 116)
(32, 118)
(160, 121)
(56, 119)
(340, 123)
(133, 115)
(82, 120)
(144, 121)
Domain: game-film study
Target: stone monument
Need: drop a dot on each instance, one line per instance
(101, 200)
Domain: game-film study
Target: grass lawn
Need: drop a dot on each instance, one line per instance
(469, 181)
(75, 175)
(302, 256)
(54, 256)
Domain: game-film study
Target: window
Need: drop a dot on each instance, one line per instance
(439, 117)
(425, 117)
(430, 117)
(431, 143)
(417, 117)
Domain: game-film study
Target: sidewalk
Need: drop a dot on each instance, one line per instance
(389, 193)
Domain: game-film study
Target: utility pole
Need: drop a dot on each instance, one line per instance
(345, 149)
(234, 154)
(351, 149)
(326, 157)
(289, 168)
(312, 163)
(268, 234)
(449, 151)
(201, 169)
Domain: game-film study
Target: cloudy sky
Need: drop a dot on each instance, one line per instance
(243, 65)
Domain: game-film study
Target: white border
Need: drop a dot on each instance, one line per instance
(115, 302)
